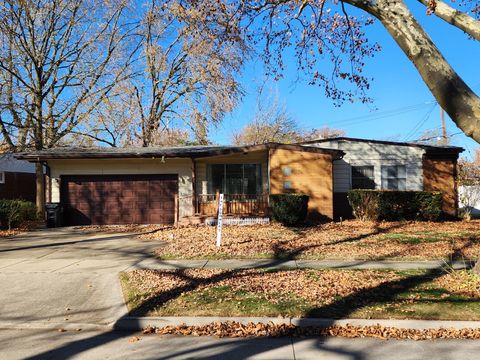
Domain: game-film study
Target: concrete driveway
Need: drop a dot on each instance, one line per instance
(65, 277)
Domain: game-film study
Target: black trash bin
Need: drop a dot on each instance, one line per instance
(54, 214)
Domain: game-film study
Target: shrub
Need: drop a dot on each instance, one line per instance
(389, 205)
(289, 209)
(14, 213)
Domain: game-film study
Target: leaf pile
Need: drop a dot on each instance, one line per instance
(347, 240)
(236, 329)
(26, 226)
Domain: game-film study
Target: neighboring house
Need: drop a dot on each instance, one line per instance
(388, 165)
(180, 184)
(17, 178)
(469, 199)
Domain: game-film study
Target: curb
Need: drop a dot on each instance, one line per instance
(158, 264)
(60, 326)
(139, 323)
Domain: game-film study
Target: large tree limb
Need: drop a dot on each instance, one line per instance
(448, 88)
(456, 18)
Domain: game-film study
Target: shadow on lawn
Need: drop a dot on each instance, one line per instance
(282, 252)
(240, 349)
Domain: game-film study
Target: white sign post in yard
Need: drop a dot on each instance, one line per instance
(219, 219)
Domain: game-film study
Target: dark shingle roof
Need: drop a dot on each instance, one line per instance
(440, 148)
(150, 152)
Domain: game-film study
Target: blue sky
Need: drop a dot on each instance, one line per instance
(396, 85)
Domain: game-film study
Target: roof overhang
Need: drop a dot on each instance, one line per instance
(429, 149)
(165, 152)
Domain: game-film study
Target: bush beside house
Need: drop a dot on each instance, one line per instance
(14, 213)
(375, 205)
(289, 209)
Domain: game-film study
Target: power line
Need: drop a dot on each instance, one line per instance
(380, 115)
(422, 121)
(436, 137)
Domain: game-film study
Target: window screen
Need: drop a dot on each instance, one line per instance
(232, 179)
(362, 177)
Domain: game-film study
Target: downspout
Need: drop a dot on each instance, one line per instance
(48, 183)
(194, 186)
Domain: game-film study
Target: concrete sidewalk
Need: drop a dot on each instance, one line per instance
(31, 344)
(299, 264)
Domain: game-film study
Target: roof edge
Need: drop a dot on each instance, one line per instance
(179, 152)
(456, 149)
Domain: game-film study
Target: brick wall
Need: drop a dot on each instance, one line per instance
(18, 186)
(310, 174)
(440, 175)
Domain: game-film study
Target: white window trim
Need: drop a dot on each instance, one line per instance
(404, 178)
(2, 177)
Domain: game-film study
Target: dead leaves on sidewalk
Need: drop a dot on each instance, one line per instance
(236, 329)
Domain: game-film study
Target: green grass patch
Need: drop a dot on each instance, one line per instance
(413, 239)
(223, 301)
(414, 295)
(134, 298)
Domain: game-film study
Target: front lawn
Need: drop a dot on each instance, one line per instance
(303, 293)
(347, 240)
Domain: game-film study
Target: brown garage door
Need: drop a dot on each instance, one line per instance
(119, 199)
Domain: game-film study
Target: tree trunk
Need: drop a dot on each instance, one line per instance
(476, 268)
(40, 187)
(450, 91)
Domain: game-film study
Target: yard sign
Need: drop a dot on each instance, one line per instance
(219, 219)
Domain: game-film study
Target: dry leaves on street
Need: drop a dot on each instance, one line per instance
(348, 240)
(236, 329)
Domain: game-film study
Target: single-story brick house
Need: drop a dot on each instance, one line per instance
(179, 184)
(17, 178)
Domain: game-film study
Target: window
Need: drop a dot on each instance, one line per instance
(2, 177)
(287, 185)
(362, 177)
(245, 179)
(287, 171)
(394, 177)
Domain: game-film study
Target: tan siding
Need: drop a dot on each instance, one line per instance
(311, 174)
(440, 175)
(182, 167)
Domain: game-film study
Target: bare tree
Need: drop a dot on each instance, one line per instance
(323, 133)
(273, 123)
(476, 157)
(190, 65)
(317, 30)
(59, 59)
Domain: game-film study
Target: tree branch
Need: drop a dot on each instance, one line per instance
(448, 88)
(456, 18)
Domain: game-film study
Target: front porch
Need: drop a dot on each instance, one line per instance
(247, 179)
(234, 205)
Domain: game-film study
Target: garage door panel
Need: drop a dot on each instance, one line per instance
(119, 199)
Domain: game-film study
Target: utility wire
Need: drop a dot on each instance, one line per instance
(380, 114)
(436, 137)
(422, 121)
